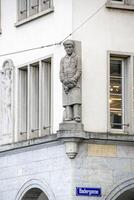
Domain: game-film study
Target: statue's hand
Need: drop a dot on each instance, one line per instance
(65, 82)
(71, 85)
(66, 89)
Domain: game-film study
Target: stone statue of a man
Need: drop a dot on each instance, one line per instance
(6, 83)
(70, 72)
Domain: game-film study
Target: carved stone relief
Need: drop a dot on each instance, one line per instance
(6, 100)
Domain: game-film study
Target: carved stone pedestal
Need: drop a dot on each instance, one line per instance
(71, 126)
(70, 134)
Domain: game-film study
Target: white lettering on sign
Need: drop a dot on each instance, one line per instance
(88, 191)
(83, 191)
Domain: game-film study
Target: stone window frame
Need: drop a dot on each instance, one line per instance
(124, 5)
(128, 105)
(29, 17)
(26, 107)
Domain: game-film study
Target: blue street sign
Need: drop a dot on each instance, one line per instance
(84, 191)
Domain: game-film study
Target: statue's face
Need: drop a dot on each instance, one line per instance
(69, 49)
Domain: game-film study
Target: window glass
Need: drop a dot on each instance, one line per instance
(116, 94)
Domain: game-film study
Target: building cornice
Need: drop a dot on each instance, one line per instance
(64, 137)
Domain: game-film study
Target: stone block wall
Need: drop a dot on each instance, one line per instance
(49, 165)
(103, 166)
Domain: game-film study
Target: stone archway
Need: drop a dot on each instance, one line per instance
(123, 191)
(35, 189)
(128, 195)
(34, 194)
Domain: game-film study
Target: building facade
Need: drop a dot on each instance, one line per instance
(41, 156)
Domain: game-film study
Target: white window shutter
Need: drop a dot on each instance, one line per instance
(45, 4)
(33, 7)
(46, 97)
(34, 101)
(22, 9)
(22, 100)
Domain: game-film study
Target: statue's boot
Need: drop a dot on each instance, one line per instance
(69, 113)
(76, 112)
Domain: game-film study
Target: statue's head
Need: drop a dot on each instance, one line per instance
(69, 46)
(7, 68)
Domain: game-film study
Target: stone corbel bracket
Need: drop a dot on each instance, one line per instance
(71, 141)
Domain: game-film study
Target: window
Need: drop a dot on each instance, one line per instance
(127, 2)
(120, 4)
(31, 9)
(117, 93)
(117, 1)
(120, 94)
(34, 99)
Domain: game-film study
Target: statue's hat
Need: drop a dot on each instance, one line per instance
(67, 42)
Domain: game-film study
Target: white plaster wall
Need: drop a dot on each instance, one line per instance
(47, 29)
(109, 29)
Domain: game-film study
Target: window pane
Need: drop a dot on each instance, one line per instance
(116, 111)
